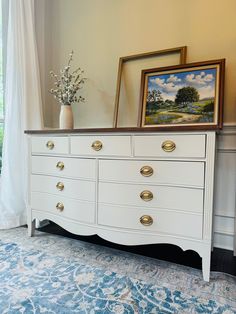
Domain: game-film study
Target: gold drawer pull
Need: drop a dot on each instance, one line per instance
(146, 196)
(168, 146)
(97, 145)
(60, 206)
(50, 145)
(60, 165)
(60, 186)
(146, 171)
(146, 220)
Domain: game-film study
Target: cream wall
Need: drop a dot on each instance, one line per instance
(100, 31)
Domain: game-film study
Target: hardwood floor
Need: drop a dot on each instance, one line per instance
(221, 260)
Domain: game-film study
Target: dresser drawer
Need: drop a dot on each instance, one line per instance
(154, 172)
(101, 145)
(64, 167)
(49, 145)
(78, 189)
(168, 222)
(73, 209)
(176, 146)
(150, 196)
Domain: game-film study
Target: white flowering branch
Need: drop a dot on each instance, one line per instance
(68, 84)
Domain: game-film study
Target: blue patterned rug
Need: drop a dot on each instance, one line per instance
(52, 274)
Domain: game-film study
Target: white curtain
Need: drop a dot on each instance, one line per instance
(23, 110)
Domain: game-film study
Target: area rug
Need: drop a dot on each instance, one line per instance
(53, 274)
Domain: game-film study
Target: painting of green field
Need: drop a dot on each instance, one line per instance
(199, 112)
(181, 98)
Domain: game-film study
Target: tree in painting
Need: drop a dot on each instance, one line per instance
(187, 95)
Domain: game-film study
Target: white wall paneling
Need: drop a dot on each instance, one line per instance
(225, 189)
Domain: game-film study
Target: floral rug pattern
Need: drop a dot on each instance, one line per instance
(53, 274)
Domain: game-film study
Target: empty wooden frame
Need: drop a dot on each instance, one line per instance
(182, 51)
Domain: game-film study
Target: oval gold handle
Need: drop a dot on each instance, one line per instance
(146, 171)
(50, 145)
(146, 196)
(60, 206)
(97, 145)
(60, 186)
(146, 220)
(168, 146)
(60, 165)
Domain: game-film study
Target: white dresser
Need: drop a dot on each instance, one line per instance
(128, 187)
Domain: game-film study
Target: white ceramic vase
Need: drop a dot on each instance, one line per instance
(66, 120)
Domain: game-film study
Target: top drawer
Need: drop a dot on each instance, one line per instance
(50, 145)
(101, 145)
(184, 146)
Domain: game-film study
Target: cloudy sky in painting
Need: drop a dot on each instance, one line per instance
(169, 84)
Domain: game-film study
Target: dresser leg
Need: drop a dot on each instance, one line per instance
(206, 264)
(31, 228)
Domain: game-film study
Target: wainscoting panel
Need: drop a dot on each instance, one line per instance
(223, 241)
(225, 189)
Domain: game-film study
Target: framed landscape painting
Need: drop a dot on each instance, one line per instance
(188, 96)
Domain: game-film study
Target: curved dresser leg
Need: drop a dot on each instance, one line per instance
(206, 265)
(31, 228)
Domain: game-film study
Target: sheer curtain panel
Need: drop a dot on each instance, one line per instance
(23, 110)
